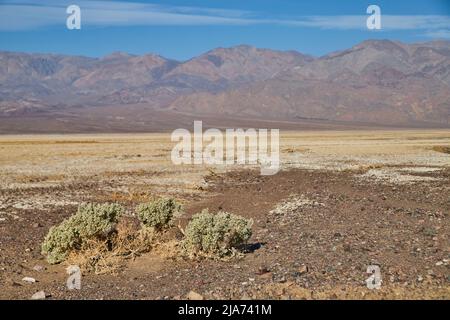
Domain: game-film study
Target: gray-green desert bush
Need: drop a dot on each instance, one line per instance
(216, 235)
(159, 213)
(90, 221)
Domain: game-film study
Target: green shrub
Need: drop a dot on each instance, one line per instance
(216, 235)
(159, 213)
(91, 220)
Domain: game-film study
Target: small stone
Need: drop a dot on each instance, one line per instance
(420, 278)
(40, 295)
(29, 279)
(245, 297)
(38, 268)
(37, 225)
(192, 295)
(303, 269)
(262, 270)
(439, 263)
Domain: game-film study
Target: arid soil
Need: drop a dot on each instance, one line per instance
(342, 201)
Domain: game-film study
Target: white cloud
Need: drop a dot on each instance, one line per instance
(22, 15)
(388, 22)
(17, 15)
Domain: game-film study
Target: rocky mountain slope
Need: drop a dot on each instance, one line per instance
(376, 81)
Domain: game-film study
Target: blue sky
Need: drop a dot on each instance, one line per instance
(183, 29)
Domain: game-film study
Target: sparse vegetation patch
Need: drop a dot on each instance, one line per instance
(158, 214)
(90, 221)
(216, 235)
(103, 256)
(100, 238)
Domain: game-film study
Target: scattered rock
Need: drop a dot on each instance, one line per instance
(192, 295)
(38, 268)
(29, 279)
(303, 269)
(40, 295)
(245, 297)
(262, 270)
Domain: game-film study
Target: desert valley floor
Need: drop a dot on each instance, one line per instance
(343, 200)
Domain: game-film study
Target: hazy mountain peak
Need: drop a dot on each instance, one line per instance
(117, 55)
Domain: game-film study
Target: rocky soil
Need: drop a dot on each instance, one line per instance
(315, 234)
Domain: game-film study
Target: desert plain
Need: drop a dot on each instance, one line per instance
(343, 200)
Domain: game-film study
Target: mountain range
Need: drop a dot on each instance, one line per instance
(378, 82)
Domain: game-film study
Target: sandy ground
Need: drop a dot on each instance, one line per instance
(334, 187)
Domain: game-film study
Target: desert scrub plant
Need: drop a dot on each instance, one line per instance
(90, 221)
(158, 214)
(109, 256)
(216, 235)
